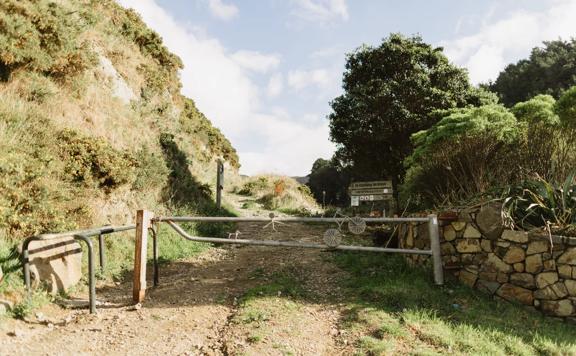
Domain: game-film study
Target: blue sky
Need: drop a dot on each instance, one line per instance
(264, 71)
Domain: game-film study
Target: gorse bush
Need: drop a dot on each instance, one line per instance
(150, 42)
(41, 36)
(93, 161)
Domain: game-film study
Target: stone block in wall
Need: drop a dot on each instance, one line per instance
(447, 248)
(545, 279)
(468, 278)
(488, 275)
(565, 271)
(487, 286)
(514, 293)
(524, 280)
(494, 263)
(410, 236)
(568, 257)
(471, 232)
(552, 292)
(514, 255)
(449, 233)
(489, 221)
(468, 246)
(549, 265)
(538, 247)
(502, 277)
(486, 245)
(558, 308)
(515, 236)
(570, 287)
(458, 225)
(518, 267)
(534, 263)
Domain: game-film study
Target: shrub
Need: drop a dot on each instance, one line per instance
(93, 161)
(151, 170)
(465, 153)
(150, 43)
(41, 36)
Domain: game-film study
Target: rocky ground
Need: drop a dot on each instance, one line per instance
(200, 307)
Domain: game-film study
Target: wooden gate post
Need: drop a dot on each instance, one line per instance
(143, 222)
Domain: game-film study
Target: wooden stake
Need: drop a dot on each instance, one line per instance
(143, 222)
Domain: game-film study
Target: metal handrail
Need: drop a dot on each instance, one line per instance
(82, 235)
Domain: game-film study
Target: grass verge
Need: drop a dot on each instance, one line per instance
(396, 308)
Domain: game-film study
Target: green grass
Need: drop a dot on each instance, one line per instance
(396, 308)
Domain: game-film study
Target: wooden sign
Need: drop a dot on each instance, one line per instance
(370, 191)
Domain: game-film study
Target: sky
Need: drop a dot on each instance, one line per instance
(264, 71)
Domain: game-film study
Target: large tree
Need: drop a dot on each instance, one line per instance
(549, 70)
(390, 92)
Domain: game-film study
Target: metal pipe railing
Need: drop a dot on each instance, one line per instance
(276, 243)
(281, 219)
(431, 220)
(81, 235)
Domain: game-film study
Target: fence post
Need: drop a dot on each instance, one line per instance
(435, 247)
(143, 222)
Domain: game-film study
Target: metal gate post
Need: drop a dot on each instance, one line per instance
(433, 231)
(101, 252)
(91, 271)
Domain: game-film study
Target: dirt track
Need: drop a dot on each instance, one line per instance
(195, 310)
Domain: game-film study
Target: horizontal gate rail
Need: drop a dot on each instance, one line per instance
(283, 219)
(152, 223)
(291, 243)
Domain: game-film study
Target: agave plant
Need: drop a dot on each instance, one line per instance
(537, 203)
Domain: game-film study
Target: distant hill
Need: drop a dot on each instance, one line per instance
(302, 180)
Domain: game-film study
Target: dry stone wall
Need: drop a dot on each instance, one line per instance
(533, 269)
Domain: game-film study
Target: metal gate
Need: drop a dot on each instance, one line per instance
(146, 222)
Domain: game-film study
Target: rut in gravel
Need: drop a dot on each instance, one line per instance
(196, 307)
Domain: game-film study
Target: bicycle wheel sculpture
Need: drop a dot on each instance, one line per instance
(332, 237)
(356, 225)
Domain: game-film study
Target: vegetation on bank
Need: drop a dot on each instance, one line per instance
(279, 193)
(78, 154)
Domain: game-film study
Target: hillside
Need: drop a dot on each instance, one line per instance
(92, 122)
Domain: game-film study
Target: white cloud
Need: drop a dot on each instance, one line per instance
(288, 147)
(221, 10)
(510, 38)
(256, 61)
(222, 89)
(300, 79)
(321, 11)
(275, 85)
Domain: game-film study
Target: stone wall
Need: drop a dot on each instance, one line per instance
(534, 269)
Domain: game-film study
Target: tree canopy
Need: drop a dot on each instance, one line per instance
(549, 70)
(390, 92)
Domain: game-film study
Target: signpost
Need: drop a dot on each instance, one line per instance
(373, 191)
(219, 183)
